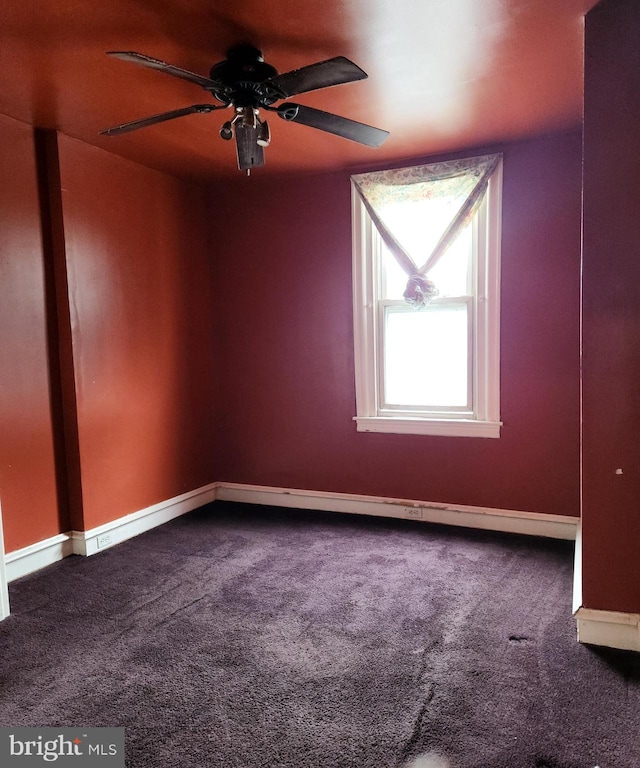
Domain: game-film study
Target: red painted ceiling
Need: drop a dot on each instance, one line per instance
(443, 74)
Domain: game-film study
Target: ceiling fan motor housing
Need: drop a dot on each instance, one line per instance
(244, 72)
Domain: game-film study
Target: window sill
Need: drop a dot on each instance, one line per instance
(418, 426)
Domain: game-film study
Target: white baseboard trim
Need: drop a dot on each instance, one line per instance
(22, 562)
(577, 571)
(508, 521)
(4, 592)
(104, 536)
(610, 628)
(29, 559)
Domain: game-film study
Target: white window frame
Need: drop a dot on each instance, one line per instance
(483, 419)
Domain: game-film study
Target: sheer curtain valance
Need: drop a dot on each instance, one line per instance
(459, 184)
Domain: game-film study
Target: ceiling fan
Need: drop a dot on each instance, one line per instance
(245, 82)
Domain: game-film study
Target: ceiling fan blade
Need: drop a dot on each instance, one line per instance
(326, 121)
(169, 69)
(250, 153)
(320, 75)
(161, 118)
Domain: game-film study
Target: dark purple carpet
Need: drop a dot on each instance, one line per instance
(257, 637)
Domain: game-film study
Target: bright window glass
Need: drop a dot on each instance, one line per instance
(452, 274)
(426, 358)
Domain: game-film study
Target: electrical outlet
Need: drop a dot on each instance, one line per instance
(104, 540)
(413, 513)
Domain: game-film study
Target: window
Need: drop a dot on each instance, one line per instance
(432, 370)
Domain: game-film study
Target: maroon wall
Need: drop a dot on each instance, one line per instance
(121, 255)
(139, 261)
(285, 344)
(27, 468)
(611, 309)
